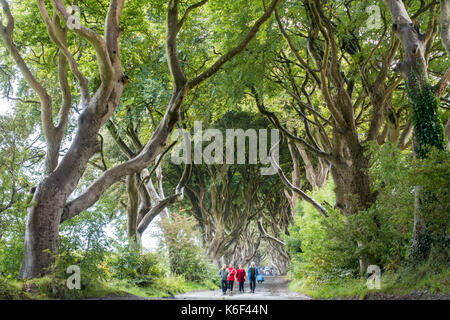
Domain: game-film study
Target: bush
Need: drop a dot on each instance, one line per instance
(324, 250)
(12, 231)
(396, 177)
(318, 246)
(11, 290)
(84, 242)
(433, 176)
(141, 269)
(186, 257)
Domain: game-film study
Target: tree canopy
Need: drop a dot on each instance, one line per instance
(96, 89)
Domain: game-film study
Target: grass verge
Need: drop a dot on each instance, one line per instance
(417, 284)
(51, 287)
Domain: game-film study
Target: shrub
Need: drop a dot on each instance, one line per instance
(12, 232)
(318, 246)
(141, 269)
(10, 290)
(186, 257)
(324, 249)
(84, 242)
(433, 176)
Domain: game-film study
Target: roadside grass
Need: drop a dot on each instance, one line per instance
(392, 284)
(12, 290)
(344, 289)
(51, 287)
(164, 287)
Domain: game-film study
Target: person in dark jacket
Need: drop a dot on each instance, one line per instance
(240, 275)
(223, 274)
(252, 272)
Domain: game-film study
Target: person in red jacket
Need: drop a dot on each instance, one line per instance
(240, 275)
(231, 278)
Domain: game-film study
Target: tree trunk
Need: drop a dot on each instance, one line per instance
(50, 206)
(352, 190)
(45, 216)
(428, 131)
(214, 249)
(419, 243)
(447, 132)
(42, 230)
(132, 207)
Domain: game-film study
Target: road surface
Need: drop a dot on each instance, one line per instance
(273, 288)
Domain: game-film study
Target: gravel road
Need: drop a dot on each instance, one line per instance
(273, 288)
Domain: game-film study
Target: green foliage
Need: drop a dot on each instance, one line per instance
(11, 242)
(186, 257)
(432, 175)
(53, 286)
(319, 247)
(17, 167)
(342, 288)
(11, 290)
(163, 287)
(420, 283)
(84, 242)
(387, 225)
(141, 269)
(429, 136)
(324, 251)
(428, 128)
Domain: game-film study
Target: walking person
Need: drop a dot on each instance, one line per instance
(251, 275)
(240, 275)
(223, 274)
(231, 274)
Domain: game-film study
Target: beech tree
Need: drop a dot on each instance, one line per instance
(225, 200)
(52, 198)
(424, 99)
(339, 85)
(273, 225)
(228, 200)
(101, 85)
(145, 200)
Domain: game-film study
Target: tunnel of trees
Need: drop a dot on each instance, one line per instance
(93, 91)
